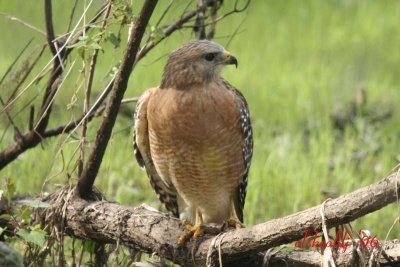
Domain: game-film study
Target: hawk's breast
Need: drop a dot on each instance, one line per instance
(196, 144)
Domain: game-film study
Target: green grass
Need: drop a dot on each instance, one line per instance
(299, 63)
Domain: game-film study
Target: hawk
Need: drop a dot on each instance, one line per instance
(193, 136)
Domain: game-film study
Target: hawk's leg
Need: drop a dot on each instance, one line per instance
(193, 230)
(233, 220)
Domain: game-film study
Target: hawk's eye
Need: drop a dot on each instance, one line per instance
(209, 56)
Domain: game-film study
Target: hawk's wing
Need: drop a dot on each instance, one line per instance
(166, 193)
(247, 147)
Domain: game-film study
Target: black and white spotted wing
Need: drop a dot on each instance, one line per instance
(165, 193)
(247, 149)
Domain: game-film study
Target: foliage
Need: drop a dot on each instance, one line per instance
(35, 235)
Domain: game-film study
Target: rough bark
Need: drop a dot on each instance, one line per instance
(300, 258)
(150, 231)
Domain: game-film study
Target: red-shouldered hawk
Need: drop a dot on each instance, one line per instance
(194, 137)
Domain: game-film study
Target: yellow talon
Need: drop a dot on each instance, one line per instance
(193, 230)
(199, 228)
(232, 222)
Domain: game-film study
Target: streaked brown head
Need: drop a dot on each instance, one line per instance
(194, 63)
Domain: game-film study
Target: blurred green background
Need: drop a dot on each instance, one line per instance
(321, 79)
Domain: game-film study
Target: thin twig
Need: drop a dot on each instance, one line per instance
(103, 135)
(46, 111)
(234, 34)
(62, 48)
(32, 138)
(81, 30)
(213, 25)
(26, 71)
(129, 100)
(235, 10)
(167, 32)
(17, 132)
(97, 107)
(57, 70)
(4, 132)
(88, 93)
(15, 61)
(200, 28)
(71, 16)
(93, 112)
(12, 18)
(164, 13)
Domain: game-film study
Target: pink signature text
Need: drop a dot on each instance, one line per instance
(340, 241)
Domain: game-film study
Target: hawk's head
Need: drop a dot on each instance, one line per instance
(197, 62)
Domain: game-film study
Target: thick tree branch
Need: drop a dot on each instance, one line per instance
(49, 25)
(387, 255)
(119, 86)
(151, 231)
(56, 72)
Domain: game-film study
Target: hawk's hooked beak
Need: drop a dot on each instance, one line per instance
(229, 59)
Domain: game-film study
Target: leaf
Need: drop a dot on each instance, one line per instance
(36, 203)
(94, 46)
(36, 236)
(156, 34)
(81, 43)
(23, 233)
(83, 38)
(6, 216)
(97, 36)
(90, 263)
(112, 38)
(2, 230)
(81, 52)
(95, 26)
(10, 189)
(36, 227)
(24, 214)
(114, 70)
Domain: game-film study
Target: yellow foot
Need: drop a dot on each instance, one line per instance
(233, 223)
(193, 231)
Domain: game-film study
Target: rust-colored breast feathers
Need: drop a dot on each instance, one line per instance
(196, 142)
